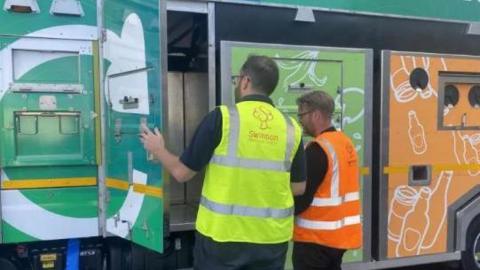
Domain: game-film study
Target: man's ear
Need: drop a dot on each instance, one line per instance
(246, 80)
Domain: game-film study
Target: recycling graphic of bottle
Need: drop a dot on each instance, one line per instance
(416, 134)
(439, 198)
(415, 225)
(402, 204)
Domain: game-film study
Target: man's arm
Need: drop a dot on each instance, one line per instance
(298, 188)
(317, 165)
(154, 143)
(298, 172)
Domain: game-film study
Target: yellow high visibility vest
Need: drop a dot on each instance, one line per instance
(246, 194)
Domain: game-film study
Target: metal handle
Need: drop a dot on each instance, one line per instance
(47, 114)
(300, 87)
(129, 102)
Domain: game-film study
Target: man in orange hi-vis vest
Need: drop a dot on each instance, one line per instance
(327, 219)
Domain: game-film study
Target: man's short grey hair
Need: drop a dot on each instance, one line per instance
(317, 100)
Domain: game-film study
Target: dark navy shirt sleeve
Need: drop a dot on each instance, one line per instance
(317, 165)
(298, 169)
(206, 138)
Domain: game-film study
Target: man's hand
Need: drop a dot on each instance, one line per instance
(153, 142)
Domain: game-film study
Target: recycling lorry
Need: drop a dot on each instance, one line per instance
(79, 78)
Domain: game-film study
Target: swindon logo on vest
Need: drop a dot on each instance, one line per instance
(264, 117)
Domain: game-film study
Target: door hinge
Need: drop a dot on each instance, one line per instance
(103, 38)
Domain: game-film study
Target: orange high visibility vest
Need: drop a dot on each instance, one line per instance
(333, 218)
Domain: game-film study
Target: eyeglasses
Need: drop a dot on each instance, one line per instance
(300, 115)
(236, 79)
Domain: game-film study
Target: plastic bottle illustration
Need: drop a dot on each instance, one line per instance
(402, 204)
(470, 152)
(467, 149)
(439, 198)
(415, 226)
(416, 133)
(475, 141)
(458, 145)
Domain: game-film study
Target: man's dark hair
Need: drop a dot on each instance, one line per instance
(263, 73)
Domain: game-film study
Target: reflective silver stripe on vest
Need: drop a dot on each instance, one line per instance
(290, 138)
(247, 211)
(327, 225)
(252, 163)
(232, 160)
(323, 202)
(234, 131)
(335, 184)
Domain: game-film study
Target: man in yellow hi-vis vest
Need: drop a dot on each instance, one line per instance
(254, 161)
(328, 214)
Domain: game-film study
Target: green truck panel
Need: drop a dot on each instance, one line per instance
(460, 10)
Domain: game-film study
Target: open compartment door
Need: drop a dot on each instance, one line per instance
(47, 141)
(133, 95)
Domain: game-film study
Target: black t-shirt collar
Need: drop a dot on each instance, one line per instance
(330, 129)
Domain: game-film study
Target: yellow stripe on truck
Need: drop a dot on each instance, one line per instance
(49, 183)
(456, 167)
(395, 169)
(435, 168)
(148, 190)
(139, 188)
(117, 184)
(364, 170)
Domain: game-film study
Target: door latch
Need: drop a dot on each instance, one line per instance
(129, 102)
